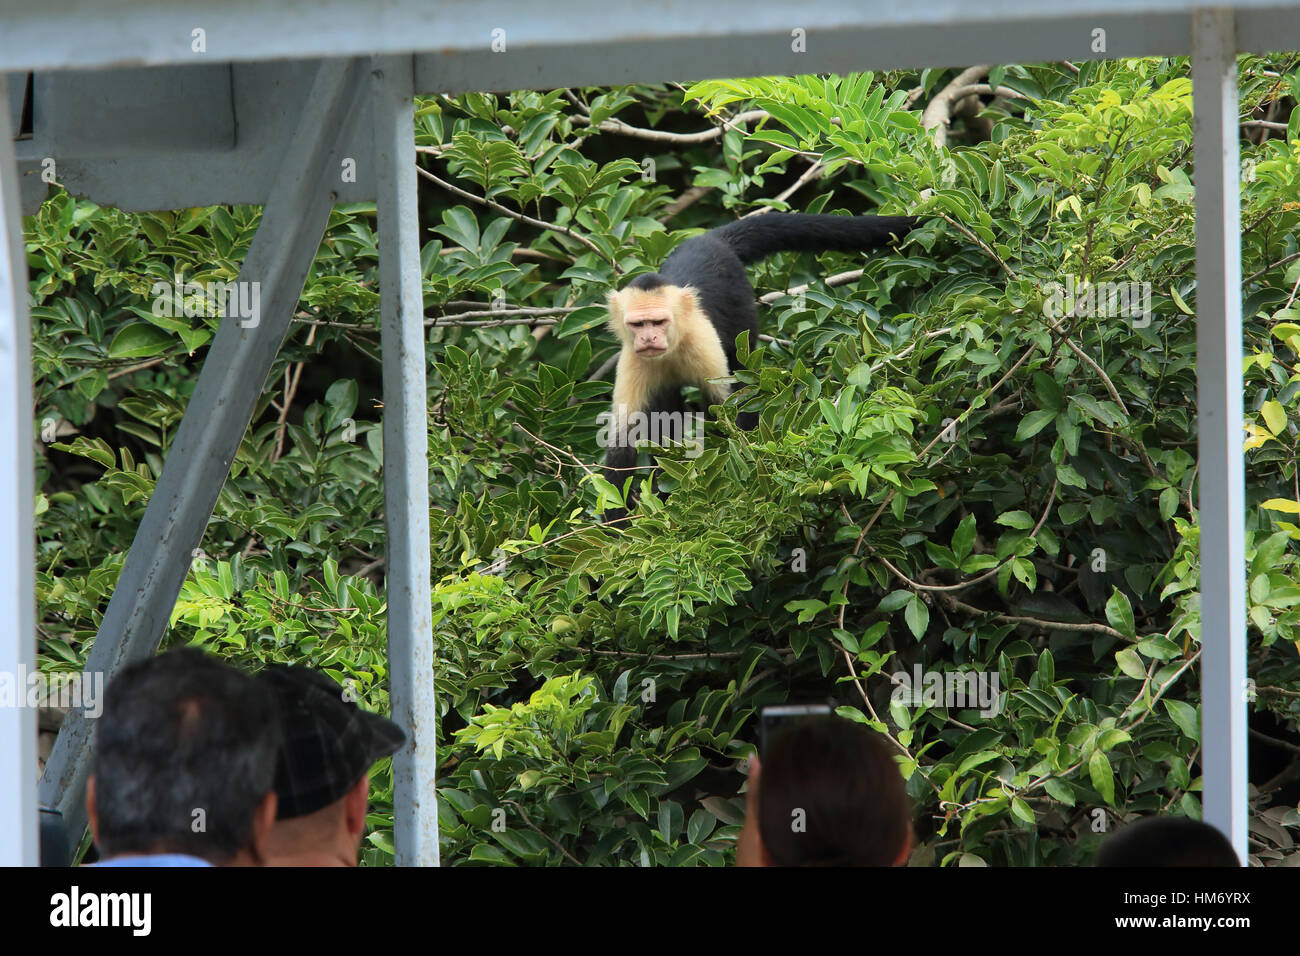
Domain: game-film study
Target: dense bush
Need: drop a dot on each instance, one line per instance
(943, 476)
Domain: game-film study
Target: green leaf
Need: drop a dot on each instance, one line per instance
(486, 853)
(1269, 552)
(892, 601)
(1069, 476)
(1095, 409)
(1184, 715)
(1033, 423)
(670, 819)
(96, 450)
(1020, 520)
(963, 539)
(700, 826)
(1049, 392)
(1119, 612)
(1103, 778)
(917, 616)
(1168, 503)
(461, 227)
(1113, 738)
(974, 760)
(1071, 511)
(139, 340)
(1059, 790)
(587, 317)
(1274, 416)
(1131, 664)
(1020, 810)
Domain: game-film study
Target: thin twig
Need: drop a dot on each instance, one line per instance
(291, 389)
(540, 224)
(662, 136)
(1272, 266)
(559, 451)
(1089, 628)
(839, 279)
(814, 171)
(556, 843)
(642, 655)
(918, 586)
(522, 252)
(1083, 356)
(137, 368)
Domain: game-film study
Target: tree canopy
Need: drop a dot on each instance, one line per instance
(959, 467)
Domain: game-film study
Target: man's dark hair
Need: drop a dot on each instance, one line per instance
(183, 732)
(1167, 841)
(842, 776)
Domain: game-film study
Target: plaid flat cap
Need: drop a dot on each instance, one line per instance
(329, 742)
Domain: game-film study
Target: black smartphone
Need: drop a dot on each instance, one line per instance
(771, 720)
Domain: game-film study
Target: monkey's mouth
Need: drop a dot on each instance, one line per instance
(651, 352)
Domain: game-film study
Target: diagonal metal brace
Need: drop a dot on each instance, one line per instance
(218, 414)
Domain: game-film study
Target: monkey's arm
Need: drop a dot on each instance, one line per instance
(630, 399)
(657, 417)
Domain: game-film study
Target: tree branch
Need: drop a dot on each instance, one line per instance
(938, 112)
(540, 224)
(662, 136)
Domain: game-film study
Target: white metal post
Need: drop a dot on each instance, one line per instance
(18, 814)
(406, 463)
(1219, 421)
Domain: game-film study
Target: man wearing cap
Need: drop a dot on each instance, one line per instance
(183, 765)
(322, 778)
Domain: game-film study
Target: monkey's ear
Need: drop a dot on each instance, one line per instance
(686, 299)
(614, 301)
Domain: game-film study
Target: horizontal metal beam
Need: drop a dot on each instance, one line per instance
(120, 138)
(873, 40)
(176, 137)
(498, 44)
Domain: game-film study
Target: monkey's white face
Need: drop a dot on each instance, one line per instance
(651, 322)
(650, 332)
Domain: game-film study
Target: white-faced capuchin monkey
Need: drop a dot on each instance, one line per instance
(679, 326)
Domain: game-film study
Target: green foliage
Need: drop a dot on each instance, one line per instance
(956, 467)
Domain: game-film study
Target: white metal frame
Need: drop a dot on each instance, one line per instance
(275, 64)
(18, 815)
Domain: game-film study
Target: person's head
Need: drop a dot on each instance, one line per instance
(322, 774)
(1167, 841)
(184, 761)
(827, 793)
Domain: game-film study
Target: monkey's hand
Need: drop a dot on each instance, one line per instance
(619, 468)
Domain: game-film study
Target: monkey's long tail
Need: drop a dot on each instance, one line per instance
(759, 236)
